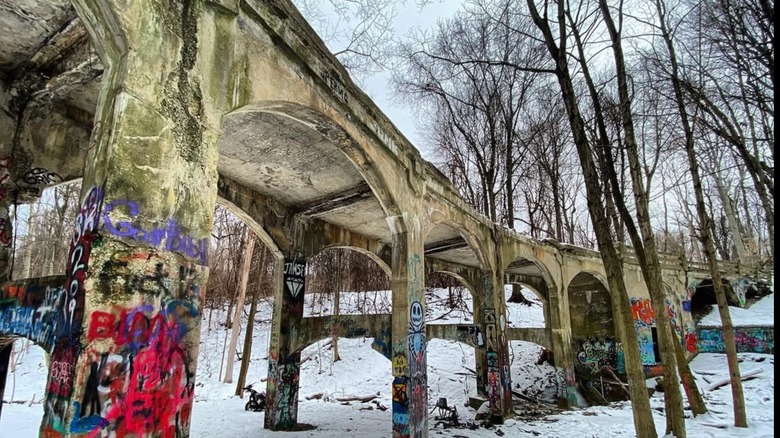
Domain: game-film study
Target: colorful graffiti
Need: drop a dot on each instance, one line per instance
(593, 354)
(755, 339)
(401, 420)
(31, 309)
(67, 346)
(642, 311)
(171, 234)
(144, 382)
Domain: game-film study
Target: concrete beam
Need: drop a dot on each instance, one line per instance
(335, 201)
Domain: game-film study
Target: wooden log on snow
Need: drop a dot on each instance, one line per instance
(725, 381)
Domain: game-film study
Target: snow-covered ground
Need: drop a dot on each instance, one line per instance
(362, 371)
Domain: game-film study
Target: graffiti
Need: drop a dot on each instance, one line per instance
(171, 234)
(747, 339)
(493, 385)
(294, 276)
(671, 310)
(40, 176)
(691, 289)
(6, 232)
(30, 308)
(331, 79)
(686, 305)
(741, 286)
(400, 365)
(414, 267)
(5, 165)
(471, 335)
(691, 342)
(144, 382)
(381, 342)
(287, 376)
(401, 427)
(642, 311)
(416, 329)
(597, 353)
(645, 339)
(487, 285)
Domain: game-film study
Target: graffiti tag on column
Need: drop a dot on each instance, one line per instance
(294, 276)
(642, 311)
(172, 234)
(40, 176)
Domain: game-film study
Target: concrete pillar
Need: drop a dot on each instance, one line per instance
(498, 382)
(410, 376)
(127, 341)
(559, 323)
(281, 411)
(5, 359)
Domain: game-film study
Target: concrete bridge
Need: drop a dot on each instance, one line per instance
(164, 109)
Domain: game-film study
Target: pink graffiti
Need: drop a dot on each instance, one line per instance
(159, 395)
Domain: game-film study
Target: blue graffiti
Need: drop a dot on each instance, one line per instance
(171, 234)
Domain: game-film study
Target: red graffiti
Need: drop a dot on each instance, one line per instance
(642, 311)
(61, 375)
(159, 395)
(690, 342)
(101, 326)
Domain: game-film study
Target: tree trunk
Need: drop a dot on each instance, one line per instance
(250, 326)
(740, 414)
(246, 264)
(645, 246)
(698, 407)
(644, 425)
(337, 308)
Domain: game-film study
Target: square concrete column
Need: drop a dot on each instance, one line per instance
(496, 372)
(559, 323)
(284, 362)
(127, 338)
(410, 378)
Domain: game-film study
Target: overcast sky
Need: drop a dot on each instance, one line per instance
(378, 86)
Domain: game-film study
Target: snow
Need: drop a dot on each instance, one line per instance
(362, 371)
(762, 312)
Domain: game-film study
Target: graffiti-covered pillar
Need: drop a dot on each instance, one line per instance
(497, 378)
(559, 323)
(126, 347)
(284, 362)
(7, 131)
(410, 381)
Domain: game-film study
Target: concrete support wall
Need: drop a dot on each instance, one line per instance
(749, 339)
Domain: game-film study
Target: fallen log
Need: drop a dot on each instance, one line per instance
(747, 375)
(362, 399)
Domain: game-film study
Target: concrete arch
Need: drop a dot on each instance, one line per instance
(531, 263)
(297, 117)
(438, 219)
(370, 254)
(470, 287)
(591, 306)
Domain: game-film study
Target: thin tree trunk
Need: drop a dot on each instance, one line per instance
(740, 414)
(337, 307)
(246, 264)
(250, 326)
(698, 407)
